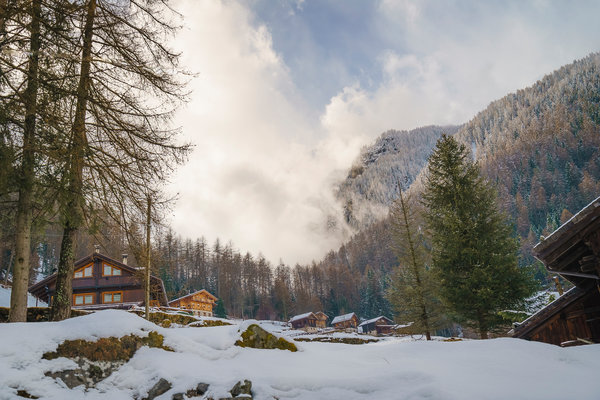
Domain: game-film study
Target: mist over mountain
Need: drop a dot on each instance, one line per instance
(372, 182)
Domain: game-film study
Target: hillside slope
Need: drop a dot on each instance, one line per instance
(372, 182)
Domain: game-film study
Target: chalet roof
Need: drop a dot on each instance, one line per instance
(38, 286)
(343, 318)
(192, 294)
(370, 321)
(522, 329)
(572, 249)
(321, 315)
(302, 316)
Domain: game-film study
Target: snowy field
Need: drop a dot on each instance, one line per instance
(390, 369)
(5, 299)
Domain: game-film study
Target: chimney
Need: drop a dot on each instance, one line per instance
(125, 258)
(96, 248)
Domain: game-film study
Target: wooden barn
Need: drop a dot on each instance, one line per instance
(200, 303)
(377, 326)
(573, 251)
(321, 319)
(346, 321)
(307, 321)
(100, 282)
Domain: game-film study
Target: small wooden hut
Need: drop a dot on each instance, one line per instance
(306, 321)
(377, 326)
(572, 251)
(346, 321)
(321, 319)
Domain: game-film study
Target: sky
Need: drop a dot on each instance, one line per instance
(285, 94)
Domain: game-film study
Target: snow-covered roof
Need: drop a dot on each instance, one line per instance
(370, 321)
(342, 318)
(301, 316)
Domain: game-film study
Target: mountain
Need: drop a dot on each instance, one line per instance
(372, 183)
(540, 146)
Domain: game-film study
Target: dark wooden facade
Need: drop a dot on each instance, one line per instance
(378, 326)
(306, 321)
(200, 302)
(573, 251)
(101, 282)
(346, 321)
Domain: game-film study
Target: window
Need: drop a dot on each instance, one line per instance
(83, 299)
(84, 272)
(112, 297)
(109, 270)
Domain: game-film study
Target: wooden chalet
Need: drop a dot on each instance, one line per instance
(377, 326)
(573, 251)
(306, 321)
(346, 321)
(200, 303)
(321, 319)
(100, 282)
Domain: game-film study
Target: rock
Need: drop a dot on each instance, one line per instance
(25, 394)
(161, 387)
(258, 338)
(178, 396)
(88, 373)
(200, 389)
(242, 388)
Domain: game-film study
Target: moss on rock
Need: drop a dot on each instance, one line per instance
(159, 318)
(107, 349)
(344, 340)
(258, 338)
(208, 323)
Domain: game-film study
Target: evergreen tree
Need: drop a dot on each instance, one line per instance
(220, 309)
(413, 290)
(474, 254)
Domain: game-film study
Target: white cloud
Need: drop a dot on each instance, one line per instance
(253, 178)
(264, 166)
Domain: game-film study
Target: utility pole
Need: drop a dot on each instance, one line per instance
(148, 258)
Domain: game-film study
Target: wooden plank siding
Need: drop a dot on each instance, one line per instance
(127, 281)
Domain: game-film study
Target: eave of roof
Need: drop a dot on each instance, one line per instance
(548, 312)
(192, 294)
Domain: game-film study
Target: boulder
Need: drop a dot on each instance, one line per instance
(242, 388)
(258, 338)
(160, 387)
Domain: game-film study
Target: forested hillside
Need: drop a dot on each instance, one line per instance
(372, 182)
(540, 145)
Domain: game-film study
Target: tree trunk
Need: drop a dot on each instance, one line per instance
(72, 211)
(483, 327)
(415, 266)
(148, 220)
(18, 298)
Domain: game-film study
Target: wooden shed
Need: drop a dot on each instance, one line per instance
(200, 303)
(377, 326)
(573, 251)
(346, 321)
(306, 321)
(321, 319)
(102, 282)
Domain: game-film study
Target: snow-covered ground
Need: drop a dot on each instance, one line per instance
(5, 299)
(389, 369)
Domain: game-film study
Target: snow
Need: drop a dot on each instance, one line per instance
(393, 368)
(5, 298)
(342, 318)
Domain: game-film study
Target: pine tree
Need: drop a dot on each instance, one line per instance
(220, 309)
(474, 253)
(413, 289)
